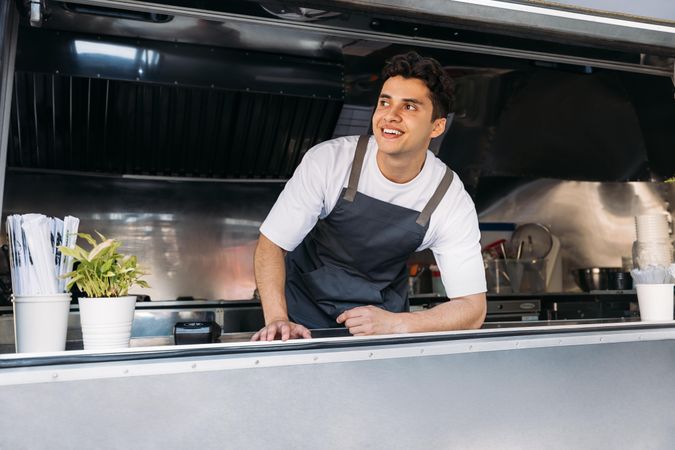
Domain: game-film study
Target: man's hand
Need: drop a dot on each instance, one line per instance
(366, 320)
(282, 328)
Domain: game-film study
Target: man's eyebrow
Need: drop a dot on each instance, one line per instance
(407, 100)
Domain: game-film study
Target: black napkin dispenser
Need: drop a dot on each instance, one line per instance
(185, 333)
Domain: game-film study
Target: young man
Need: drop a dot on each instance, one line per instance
(333, 250)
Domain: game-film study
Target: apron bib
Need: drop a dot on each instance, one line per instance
(357, 255)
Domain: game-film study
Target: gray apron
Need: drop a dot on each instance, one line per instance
(357, 255)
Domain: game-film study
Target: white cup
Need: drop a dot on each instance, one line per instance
(41, 322)
(655, 301)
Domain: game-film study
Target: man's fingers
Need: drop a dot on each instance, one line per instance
(346, 315)
(354, 322)
(285, 331)
(358, 326)
(360, 330)
(298, 331)
(303, 332)
(271, 332)
(351, 313)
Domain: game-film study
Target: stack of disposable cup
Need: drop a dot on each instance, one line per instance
(653, 246)
(653, 253)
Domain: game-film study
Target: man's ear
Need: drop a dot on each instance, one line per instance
(439, 127)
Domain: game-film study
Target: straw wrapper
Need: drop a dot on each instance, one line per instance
(35, 261)
(653, 274)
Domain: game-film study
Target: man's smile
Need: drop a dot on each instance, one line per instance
(391, 133)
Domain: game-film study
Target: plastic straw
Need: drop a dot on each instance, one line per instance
(37, 231)
(651, 275)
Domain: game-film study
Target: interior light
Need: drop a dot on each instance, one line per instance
(98, 48)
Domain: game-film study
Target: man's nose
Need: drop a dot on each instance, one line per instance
(392, 115)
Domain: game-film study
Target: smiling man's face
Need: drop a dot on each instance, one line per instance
(402, 120)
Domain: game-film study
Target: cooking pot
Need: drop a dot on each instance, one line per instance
(602, 278)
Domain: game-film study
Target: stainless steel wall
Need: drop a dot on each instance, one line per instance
(594, 221)
(197, 238)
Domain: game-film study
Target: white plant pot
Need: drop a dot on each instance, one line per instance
(106, 322)
(40, 322)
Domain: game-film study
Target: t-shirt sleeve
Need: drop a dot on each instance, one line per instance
(457, 251)
(299, 205)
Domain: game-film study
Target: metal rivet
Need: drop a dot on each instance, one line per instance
(137, 78)
(175, 82)
(257, 361)
(194, 365)
(57, 70)
(126, 371)
(470, 347)
(517, 344)
(316, 358)
(370, 355)
(213, 85)
(421, 351)
(55, 375)
(98, 75)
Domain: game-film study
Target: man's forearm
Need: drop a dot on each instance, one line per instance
(461, 313)
(270, 276)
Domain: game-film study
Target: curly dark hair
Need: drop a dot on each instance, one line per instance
(441, 86)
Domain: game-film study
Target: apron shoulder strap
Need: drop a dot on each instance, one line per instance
(357, 165)
(435, 199)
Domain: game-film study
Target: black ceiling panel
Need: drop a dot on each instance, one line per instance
(96, 125)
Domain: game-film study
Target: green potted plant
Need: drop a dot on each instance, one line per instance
(105, 276)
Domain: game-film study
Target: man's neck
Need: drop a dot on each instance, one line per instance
(401, 168)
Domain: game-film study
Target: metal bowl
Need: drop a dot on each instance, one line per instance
(620, 281)
(602, 278)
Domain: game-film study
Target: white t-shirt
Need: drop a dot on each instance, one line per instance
(315, 187)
